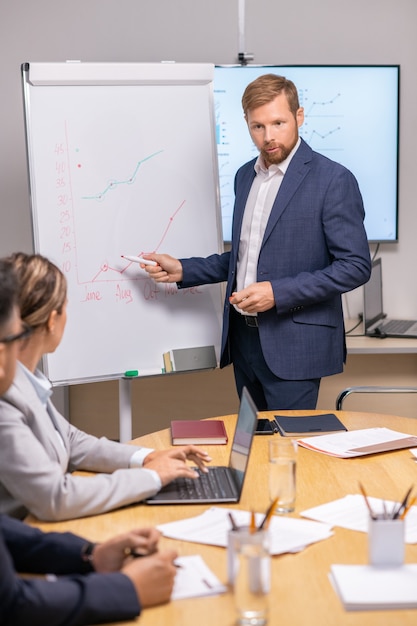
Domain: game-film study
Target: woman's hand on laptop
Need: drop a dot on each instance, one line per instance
(172, 463)
(193, 453)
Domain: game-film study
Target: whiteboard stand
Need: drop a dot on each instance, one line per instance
(90, 215)
(125, 410)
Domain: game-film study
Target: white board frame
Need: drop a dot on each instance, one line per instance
(186, 318)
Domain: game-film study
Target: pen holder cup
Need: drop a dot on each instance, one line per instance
(249, 574)
(386, 542)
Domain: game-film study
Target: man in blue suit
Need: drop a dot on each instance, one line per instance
(298, 243)
(96, 583)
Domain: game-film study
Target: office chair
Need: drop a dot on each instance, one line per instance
(372, 389)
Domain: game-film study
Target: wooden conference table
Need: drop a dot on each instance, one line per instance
(301, 591)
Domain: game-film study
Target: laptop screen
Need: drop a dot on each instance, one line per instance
(243, 437)
(372, 296)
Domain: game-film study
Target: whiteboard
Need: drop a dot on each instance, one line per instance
(122, 161)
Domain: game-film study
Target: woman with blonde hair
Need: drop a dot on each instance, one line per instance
(40, 449)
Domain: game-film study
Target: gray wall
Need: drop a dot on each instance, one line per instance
(322, 32)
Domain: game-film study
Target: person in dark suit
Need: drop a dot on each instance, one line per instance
(298, 243)
(87, 583)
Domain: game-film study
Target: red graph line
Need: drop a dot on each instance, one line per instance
(171, 219)
(105, 267)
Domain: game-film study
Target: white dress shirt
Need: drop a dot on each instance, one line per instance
(258, 208)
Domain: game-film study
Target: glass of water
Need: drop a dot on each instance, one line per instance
(282, 473)
(252, 576)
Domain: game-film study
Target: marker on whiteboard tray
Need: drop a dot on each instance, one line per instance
(138, 259)
(150, 372)
(131, 373)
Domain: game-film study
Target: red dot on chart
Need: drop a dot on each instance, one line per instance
(79, 165)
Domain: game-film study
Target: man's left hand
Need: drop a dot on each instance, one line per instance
(255, 298)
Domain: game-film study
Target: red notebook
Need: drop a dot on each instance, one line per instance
(184, 432)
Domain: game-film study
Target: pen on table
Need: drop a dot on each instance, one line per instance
(138, 259)
(268, 514)
(371, 513)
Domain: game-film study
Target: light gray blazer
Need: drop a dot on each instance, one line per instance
(36, 469)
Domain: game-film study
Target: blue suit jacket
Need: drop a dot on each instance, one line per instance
(70, 600)
(314, 249)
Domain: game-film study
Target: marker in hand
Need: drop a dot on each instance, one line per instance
(138, 259)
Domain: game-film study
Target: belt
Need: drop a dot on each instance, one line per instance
(250, 320)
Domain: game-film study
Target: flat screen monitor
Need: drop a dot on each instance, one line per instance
(351, 116)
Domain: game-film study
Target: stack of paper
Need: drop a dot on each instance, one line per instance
(359, 442)
(211, 527)
(363, 587)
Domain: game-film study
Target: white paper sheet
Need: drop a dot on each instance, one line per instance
(194, 578)
(287, 534)
(351, 512)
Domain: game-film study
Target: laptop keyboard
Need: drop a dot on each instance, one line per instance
(215, 484)
(397, 326)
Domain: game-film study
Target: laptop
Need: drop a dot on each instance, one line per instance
(221, 483)
(376, 322)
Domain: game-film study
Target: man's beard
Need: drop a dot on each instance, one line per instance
(277, 157)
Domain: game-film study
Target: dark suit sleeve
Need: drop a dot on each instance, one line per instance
(33, 551)
(205, 271)
(74, 600)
